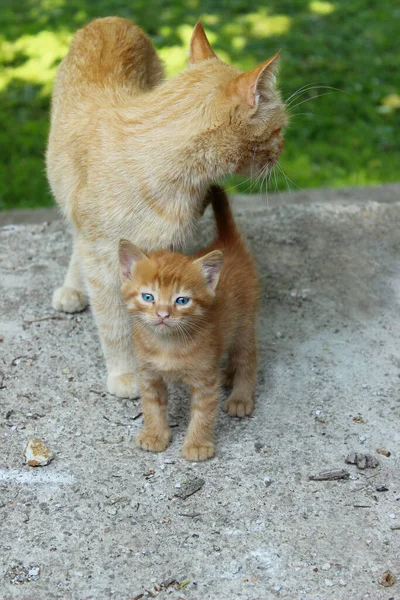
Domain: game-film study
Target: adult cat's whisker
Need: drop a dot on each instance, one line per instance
(284, 176)
(287, 178)
(289, 105)
(313, 98)
(300, 89)
(301, 114)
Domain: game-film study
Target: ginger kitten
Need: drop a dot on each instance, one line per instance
(188, 311)
(131, 156)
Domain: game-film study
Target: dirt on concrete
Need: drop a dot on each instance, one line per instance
(104, 519)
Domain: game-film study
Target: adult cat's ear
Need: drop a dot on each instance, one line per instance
(249, 86)
(211, 265)
(129, 255)
(200, 48)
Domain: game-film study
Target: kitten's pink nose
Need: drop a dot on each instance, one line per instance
(163, 315)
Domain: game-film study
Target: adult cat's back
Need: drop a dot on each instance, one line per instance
(112, 55)
(110, 62)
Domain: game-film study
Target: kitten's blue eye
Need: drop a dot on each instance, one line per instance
(148, 297)
(182, 301)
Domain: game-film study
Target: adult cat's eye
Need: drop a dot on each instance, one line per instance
(148, 297)
(182, 300)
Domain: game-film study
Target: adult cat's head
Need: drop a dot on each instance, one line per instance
(168, 292)
(232, 120)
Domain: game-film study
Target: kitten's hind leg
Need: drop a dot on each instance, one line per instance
(243, 363)
(72, 297)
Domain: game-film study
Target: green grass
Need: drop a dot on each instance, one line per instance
(343, 138)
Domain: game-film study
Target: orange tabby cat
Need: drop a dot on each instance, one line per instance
(131, 156)
(188, 311)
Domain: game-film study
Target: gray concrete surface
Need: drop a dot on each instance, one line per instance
(102, 520)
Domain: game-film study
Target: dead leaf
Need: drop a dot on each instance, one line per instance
(387, 579)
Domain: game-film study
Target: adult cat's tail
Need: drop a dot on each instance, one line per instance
(226, 227)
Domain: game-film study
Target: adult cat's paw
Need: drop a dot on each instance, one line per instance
(153, 441)
(198, 452)
(237, 406)
(123, 385)
(68, 300)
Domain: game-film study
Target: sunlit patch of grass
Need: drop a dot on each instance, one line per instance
(175, 59)
(322, 8)
(41, 54)
(263, 24)
(338, 139)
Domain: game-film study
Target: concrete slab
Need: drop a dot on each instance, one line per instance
(102, 519)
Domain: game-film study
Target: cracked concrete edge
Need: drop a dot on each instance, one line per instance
(387, 193)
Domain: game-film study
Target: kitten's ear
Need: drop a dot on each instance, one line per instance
(200, 48)
(129, 255)
(248, 86)
(211, 265)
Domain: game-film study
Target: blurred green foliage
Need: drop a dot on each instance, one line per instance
(341, 138)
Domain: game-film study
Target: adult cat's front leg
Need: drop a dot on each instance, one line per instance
(112, 319)
(72, 296)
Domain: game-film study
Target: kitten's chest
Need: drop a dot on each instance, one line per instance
(168, 364)
(172, 366)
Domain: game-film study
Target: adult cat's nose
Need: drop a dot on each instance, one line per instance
(163, 315)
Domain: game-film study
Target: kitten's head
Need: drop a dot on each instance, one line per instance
(243, 113)
(169, 292)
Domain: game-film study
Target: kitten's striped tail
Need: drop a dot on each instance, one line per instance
(226, 227)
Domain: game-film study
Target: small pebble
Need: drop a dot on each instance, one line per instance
(37, 454)
(326, 567)
(177, 485)
(392, 516)
(267, 481)
(362, 438)
(328, 583)
(277, 588)
(342, 582)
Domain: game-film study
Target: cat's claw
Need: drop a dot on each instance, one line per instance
(123, 385)
(237, 407)
(198, 452)
(69, 300)
(153, 441)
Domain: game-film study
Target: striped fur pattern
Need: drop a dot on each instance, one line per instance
(187, 343)
(131, 155)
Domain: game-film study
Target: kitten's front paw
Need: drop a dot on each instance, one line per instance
(123, 385)
(153, 441)
(198, 452)
(238, 407)
(68, 300)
